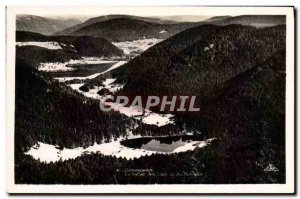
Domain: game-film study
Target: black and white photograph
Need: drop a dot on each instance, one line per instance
(155, 99)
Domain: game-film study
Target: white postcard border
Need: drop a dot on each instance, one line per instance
(153, 189)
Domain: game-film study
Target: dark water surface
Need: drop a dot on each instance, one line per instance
(161, 144)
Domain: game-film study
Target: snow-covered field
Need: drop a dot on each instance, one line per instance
(50, 153)
(163, 31)
(58, 66)
(146, 116)
(136, 47)
(48, 45)
(118, 64)
(55, 67)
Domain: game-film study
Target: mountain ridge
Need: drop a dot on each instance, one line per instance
(127, 29)
(105, 18)
(133, 27)
(43, 25)
(72, 47)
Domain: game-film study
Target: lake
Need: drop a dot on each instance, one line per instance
(161, 144)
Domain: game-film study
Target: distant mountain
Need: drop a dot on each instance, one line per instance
(253, 20)
(183, 18)
(106, 18)
(43, 25)
(217, 18)
(72, 47)
(126, 29)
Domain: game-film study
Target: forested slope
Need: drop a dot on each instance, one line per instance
(52, 113)
(200, 60)
(72, 47)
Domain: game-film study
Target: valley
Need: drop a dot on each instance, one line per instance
(68, 72)
(235, 70)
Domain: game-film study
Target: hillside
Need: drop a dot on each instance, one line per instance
(241, 85)
(249, 113)
(71, 47)
(49, 112)
(200, 60)
(43, 25)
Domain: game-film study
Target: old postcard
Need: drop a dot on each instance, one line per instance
(168, 99)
